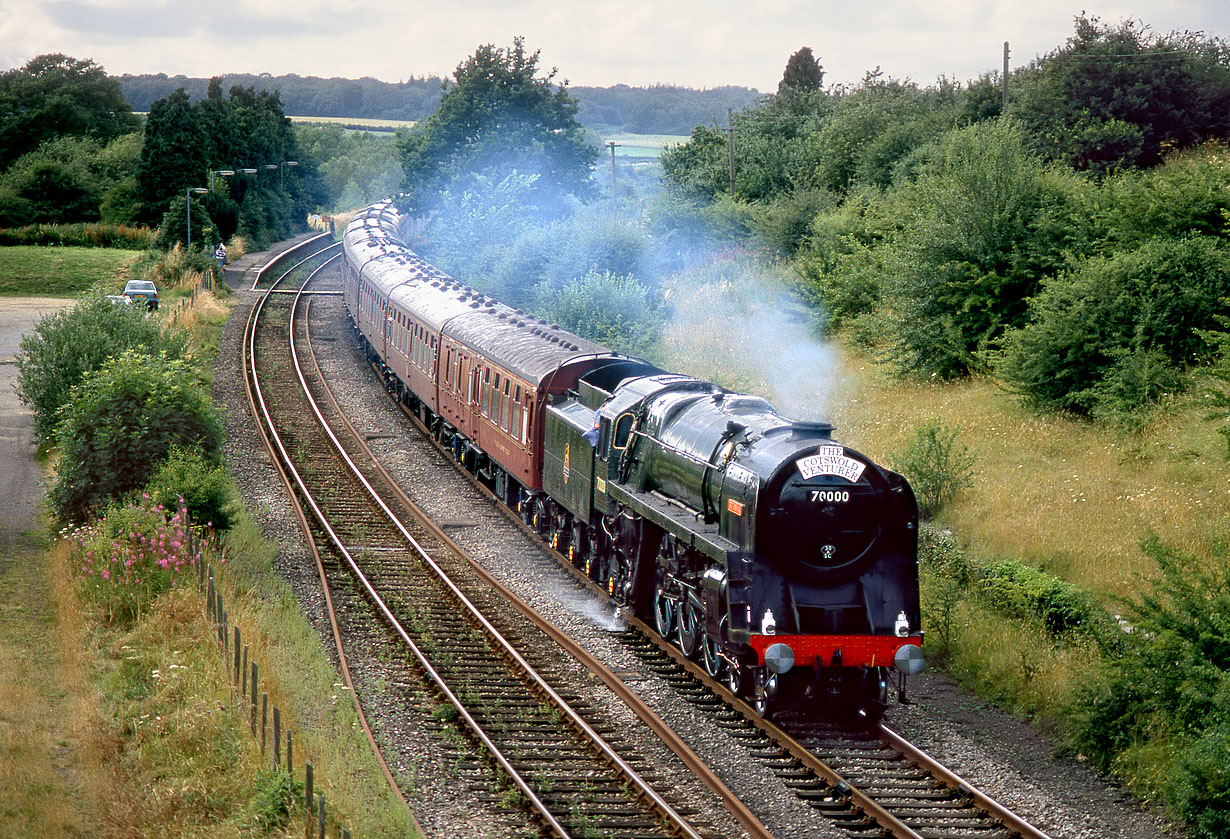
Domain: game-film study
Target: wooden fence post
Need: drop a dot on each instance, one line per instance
(253, 715)
(308, 800)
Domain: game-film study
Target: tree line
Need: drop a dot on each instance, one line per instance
(1068, 245)
(72, 150)
(652, 109)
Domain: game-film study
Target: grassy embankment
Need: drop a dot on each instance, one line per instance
(62, 272)
(1072, 498)
(112, 729)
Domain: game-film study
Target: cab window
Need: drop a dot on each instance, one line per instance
(623, 431)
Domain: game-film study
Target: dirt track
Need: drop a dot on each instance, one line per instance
(20, 489)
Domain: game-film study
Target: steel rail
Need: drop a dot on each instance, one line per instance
(579, 724)
(434, 677)
(286, 254)
(249, 345)
(954, 781)
(859, 799)
(673, 741)
(630, 774)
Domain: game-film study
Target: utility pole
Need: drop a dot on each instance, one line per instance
(1005, 77)
(613, 146)
(730, 147)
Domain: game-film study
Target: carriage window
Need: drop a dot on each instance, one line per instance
(504, 409)
(528, 421)
(514, 424)
(486, 392)
(623, 431)
(495, 399)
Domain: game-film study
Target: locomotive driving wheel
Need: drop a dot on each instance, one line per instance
(711, 655)
(765, 696)
(690, 625)
(665, 612)
(737, 677)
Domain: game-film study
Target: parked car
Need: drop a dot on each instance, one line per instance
(142, 290)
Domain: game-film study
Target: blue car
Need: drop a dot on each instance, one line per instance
(142, 291)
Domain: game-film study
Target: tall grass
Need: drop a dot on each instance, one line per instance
(80, 235)
(1068, 496)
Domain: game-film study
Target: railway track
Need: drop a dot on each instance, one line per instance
(865, 777)
(867, 780)
(496, 678)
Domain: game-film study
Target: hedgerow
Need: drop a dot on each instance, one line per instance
(67, 344)
(120, 423)
(81, 235)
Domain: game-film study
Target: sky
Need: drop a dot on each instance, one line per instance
(693, 43)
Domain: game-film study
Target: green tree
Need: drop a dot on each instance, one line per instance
(69, 343)
(499, 116)
(55, 184)
(803, 72)
(1116, 96)
(698, 168)
(616, 311)
(122, 421)
(54, 96)
(1165, 690)
(1107, 336)
(174, 156)
(977, 229)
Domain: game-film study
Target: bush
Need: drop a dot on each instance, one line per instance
(273, 800)
(977, 228)
(615, 311)
(1023, 591)
(1168, 687)
(787, 222)
(1117, 317)
(131, 555)
(120, 423)
(203, 486)
(936, 466)
(66, 345)
(1199, 787)
(945, 571)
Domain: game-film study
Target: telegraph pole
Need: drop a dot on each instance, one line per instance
(613, 146)
(730, 147)
(1005, 77)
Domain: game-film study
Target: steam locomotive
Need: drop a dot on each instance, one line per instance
(783, 561)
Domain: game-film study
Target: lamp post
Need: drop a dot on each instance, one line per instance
(224, 172)
(199, 190)
(282, 171)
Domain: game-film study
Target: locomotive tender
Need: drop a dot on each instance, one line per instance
(782, 560)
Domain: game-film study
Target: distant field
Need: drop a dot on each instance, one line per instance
(357, 123)
(627, 145)
(60, 272)
(641, 145)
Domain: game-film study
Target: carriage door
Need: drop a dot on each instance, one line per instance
(386, 328)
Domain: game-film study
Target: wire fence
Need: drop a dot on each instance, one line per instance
(276, 745)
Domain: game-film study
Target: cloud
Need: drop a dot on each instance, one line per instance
(636, 42)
